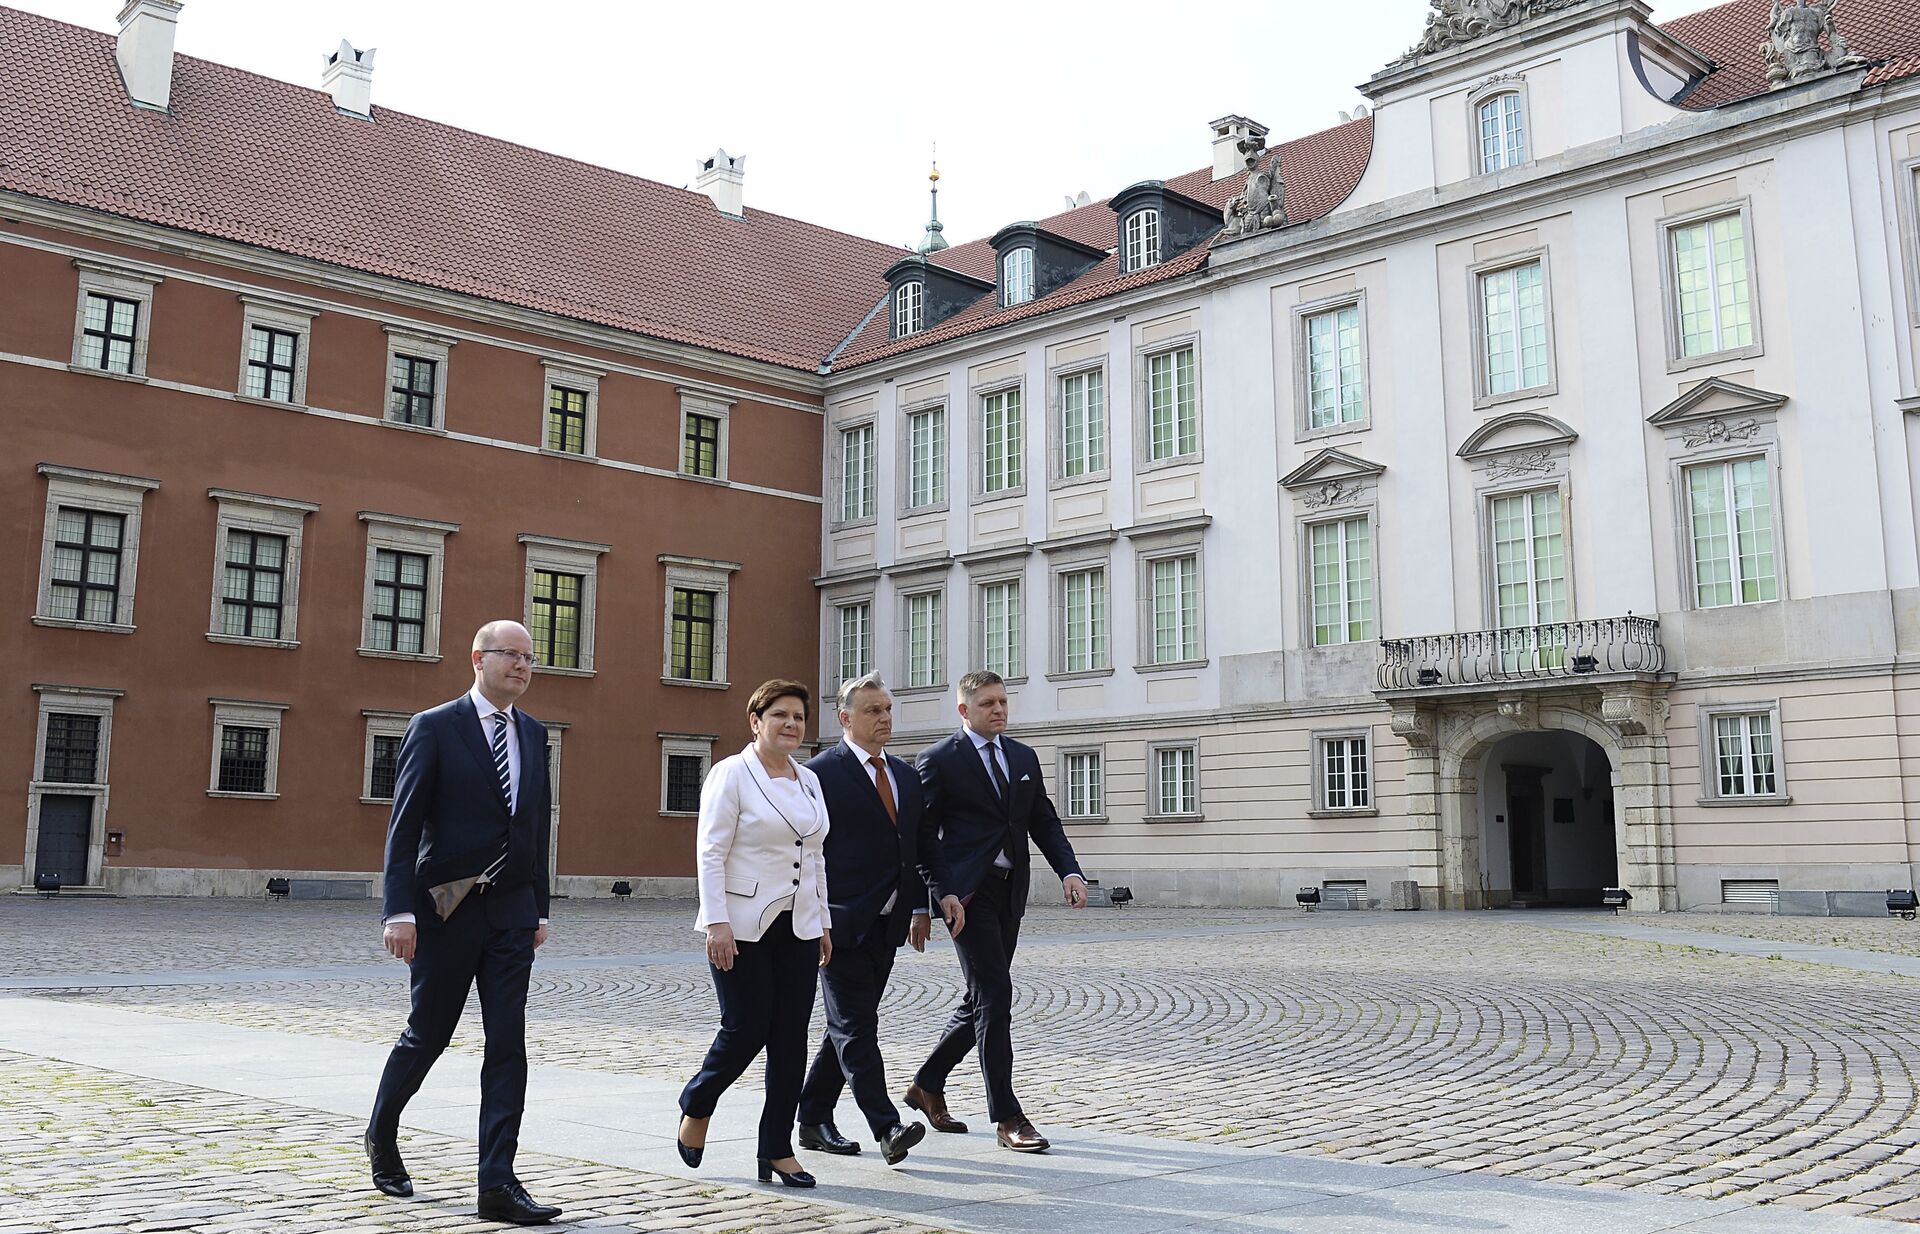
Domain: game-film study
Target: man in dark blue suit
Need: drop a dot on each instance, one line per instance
(466, 902)
(882, 853)
(984, 792)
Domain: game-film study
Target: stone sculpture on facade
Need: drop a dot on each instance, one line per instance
(1263, 205)
(1454, 22)
(1793, 51)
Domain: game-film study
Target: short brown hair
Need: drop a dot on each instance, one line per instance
(769, 692)
(979, 679)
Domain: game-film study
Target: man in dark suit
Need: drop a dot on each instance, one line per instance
(984, 793)
(466, 901)
(879, 843)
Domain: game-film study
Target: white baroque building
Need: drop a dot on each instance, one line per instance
(1521, 504)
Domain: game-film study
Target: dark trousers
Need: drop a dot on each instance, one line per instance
(766, 1001)
(985, 1016)
(450, 959)
(851, 985)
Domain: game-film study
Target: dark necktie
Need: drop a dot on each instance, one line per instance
(885, 788)
(505, 768)
(999, 776)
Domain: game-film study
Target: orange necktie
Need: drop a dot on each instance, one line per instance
(882, 783)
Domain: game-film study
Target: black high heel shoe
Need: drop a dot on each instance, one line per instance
(799, 1178)
(688, 1154)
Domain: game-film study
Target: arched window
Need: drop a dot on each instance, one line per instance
(1016, 277)
(909, 313)
(1143, 241)
(1503, 131)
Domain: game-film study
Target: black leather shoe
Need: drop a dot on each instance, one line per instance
(389, 1172)
(826, 1138)
(688, 1153)
(799, 1178)
(899, 1138)
(513, 1205)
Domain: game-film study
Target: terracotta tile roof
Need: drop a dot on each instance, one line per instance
(1730, 34)
(1320, 170)
(263, 162)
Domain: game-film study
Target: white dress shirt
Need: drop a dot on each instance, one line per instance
(995, 778)
(893, 782)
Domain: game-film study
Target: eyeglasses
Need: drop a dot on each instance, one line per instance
(518, 657)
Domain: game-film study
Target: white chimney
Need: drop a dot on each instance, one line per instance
(723, 178)
(1228, 132)
(349, 79)
(145, 50)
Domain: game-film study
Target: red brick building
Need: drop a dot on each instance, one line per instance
(299, 391)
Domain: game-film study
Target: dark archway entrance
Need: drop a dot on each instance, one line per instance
(1547, 820)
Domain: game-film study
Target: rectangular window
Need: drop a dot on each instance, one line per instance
(109, 333)
(685, 772)
(1173, 428)
(1176, 610)
(566, 420)
(73, 749)
(700, 452)
(1085, 635)
(856, 473)
(252, 584)
(410, 389)
(386, 767)
(693, 620)
(1005, 442)
(85, 585)
(856, 640)
(1342, 565)
(1083, 424)
(1529, 577)
(1336, 370)
(1744, 755)
(399, 619)
(1513, 321)
(1712, 286)
(555, 619)
(1730, 506)
(1000, 615)
(1176, 784)
(243, 759)
(925, 640)
(926, 458)
(272, 359)
(1346, 779)
(1503, 134)
(1086, 784)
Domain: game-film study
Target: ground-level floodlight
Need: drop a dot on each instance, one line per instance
(48, 885)
(1902, 904)
(1307, 897)
(1615, 898)
(622, 889)
(1120, 896)
(278, 888)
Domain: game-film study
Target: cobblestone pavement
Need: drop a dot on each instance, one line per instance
(1888, 935)
(1471, 1042)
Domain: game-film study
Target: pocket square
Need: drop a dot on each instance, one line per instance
(1025, 778)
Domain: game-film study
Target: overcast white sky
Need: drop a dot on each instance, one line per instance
(837, 106)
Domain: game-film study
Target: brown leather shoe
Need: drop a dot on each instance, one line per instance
(1019, 1135)
(934, 1106)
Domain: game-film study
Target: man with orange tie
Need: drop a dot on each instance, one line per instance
(882, 855)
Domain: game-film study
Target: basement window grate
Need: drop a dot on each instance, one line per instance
(1764, 892)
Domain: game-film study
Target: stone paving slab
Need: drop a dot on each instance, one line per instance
(1682, 934)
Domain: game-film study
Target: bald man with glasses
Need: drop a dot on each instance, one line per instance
(466, 905)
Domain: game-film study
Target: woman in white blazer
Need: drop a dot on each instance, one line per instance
(763, 907)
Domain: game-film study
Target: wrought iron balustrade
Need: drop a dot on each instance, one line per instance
(1523, 653)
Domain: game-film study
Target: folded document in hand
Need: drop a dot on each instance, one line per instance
(447, 896)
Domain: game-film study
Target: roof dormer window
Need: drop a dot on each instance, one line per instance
(909, 308)
(1502, 125)
(1016, 277)
(1143, 241)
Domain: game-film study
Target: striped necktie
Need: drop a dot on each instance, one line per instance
(505, 768)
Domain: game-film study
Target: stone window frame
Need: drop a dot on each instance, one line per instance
(1764, 442)
(1670, 284)
(378, 724)
(1072, 556)
(1151, 812)
(1316, 746)
(906, 586)
(276, 516)
(403, 534)
(555, 743)
(570, 375)
(103, 492)
(270, 314)
(1709, 794)
(1184, 538)
(1143, 356)
(684, 745)
(1303, 427)
(713, 407)
(247, 713)
(977, 397)
(696, 574)
(1062, 759)
(847, 594)
(837, 517)
(1487, 92)
(79, 700)
(1057, 376)
(1907, 196)
(1304, 523)
(1484, 495)
(422, 345)
(1477, 321)
(563, 556)
(903, 458)
(991, 569)
(122, 282)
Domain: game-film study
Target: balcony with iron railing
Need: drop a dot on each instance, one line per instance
(1523, 655)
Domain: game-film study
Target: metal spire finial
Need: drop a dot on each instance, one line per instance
(933, 241)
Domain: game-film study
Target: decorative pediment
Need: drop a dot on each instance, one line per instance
(1717, 399)
(1331, 477)
(1530, 431)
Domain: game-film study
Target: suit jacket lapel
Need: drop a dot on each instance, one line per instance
(467, 720)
